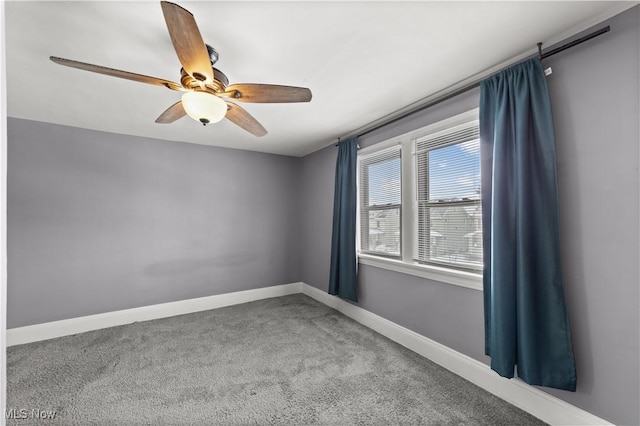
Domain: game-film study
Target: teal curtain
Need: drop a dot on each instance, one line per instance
(342, 279)
(526, 324)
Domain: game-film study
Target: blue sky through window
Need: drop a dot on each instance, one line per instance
(454, 174)
(454, 171)
(384, 182)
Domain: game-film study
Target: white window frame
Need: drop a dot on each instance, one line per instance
(407, 265)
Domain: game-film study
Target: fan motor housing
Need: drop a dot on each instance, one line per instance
(219, 83)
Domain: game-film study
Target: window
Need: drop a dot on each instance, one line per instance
(420, 202)
(381, 203)
(449, 214)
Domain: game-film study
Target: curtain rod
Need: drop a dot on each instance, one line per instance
(475, 84)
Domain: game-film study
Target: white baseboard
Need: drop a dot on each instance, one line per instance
(528, 398)
(540, 404)
(50, 330)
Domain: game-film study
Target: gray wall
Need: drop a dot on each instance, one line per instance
(595, 91)
(595, 96)
(99, 222)
(317, 174)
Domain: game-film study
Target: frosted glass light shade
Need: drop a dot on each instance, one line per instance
(204, 107)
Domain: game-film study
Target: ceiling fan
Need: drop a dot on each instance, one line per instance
(207, 89)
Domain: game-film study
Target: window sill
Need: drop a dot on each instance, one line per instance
(443, 275)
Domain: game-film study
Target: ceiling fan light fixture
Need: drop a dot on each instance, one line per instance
(204, 107)
(204, 83)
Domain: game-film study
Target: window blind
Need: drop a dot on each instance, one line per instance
(380, 202)
(448, 228)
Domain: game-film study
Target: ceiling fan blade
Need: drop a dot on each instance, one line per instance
(187, 42)
(268, 93)
(243, 119)
(116, 73)
(173, 113)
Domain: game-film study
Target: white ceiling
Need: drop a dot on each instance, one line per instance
(361, 60)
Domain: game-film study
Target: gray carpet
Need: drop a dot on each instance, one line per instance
(287, 360)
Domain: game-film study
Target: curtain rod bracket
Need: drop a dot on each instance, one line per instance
(540, 50)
